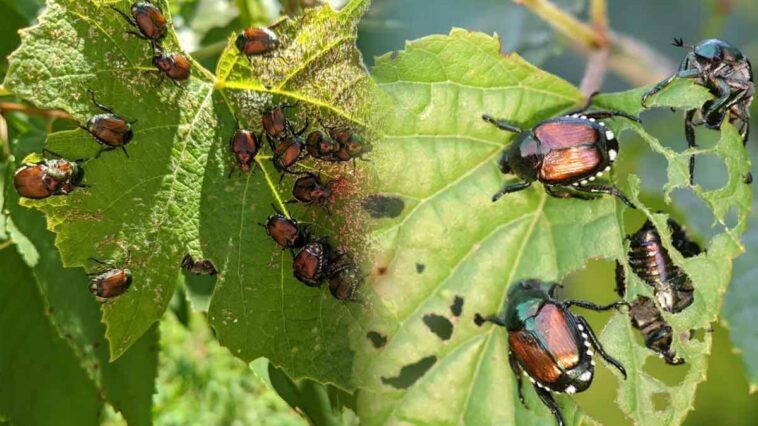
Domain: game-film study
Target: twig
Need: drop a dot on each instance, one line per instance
(5, 149)
(28, 110)
(597, 65)
(565, 23)
(628, 57)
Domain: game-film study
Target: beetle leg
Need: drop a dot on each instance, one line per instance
(683, 73)
(304, 127)
(495, 320)
(566, 192)
(657, 88)
(500, 124)
(99, 105)
(127, 18)
(610, 114)
(724, 101)
(598, 347)
(606, 190)
(518, 374)
(689, 133)
(123, 148)
(135, 33)
(510, 188)
(553, 288)
(550, 403)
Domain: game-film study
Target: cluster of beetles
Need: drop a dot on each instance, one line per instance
(315, 259)
(550, 344)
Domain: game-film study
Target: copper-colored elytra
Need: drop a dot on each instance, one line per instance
(559, 337)
(289, 152)
(152, 23)
(561, 135)
(112, 131)
(30, 182)
(569, 163)
(533, 359)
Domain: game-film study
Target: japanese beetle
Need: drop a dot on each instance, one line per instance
(652, 263)
(351, 144)
(200, 267)
(344, 278)
(321, 146)
(175, 66)
(275, 123)
(148, 19)
(244, 145)
(672, 287)
(47, 177)
(256, 41)
(310, 264)
(309, 189)
(727, 74)
(109, 129)
(552, 345)
(285, 231)
(286, 154)
(565, 154)
(110, 283)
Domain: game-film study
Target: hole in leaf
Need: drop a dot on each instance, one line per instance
(699, 334)
(731, 218)
(377, 339)
(671, 375)
(439, 325)
(420, 267)
(699, 216)
(410, 373)
(457, 307)
(478, 320)
(660, 401)
(710, 172)
(379, 206)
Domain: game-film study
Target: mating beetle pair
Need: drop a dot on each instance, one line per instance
(47, 177)
(153, 27)
(727, 74)
(565, 154)
(338, 145)
(672, 288)
(315, 259)
(551, 345)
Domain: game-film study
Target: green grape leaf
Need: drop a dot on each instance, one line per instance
(43, 381)
(174, 194)
(448, 253)
(127, 383)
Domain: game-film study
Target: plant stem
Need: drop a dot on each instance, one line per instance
(5, 151)
(28, 110)
(628, 57)
(563, 22)
(597, 64)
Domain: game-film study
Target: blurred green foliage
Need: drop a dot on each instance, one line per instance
(201, 383)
